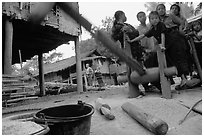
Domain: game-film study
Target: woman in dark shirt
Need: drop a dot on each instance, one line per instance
(119, 28)
(176, 10)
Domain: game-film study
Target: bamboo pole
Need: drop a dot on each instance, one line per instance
(133, 88)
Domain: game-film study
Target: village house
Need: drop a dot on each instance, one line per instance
(22, 38)
(65, 70)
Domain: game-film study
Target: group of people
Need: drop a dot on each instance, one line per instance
(165, 30)
(91, 75)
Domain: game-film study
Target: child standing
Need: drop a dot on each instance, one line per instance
(173, 45)
(147, 43)
(197, 31)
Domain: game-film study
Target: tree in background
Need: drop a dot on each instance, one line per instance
(87, 45)
(52, 57)
(198, 9)
(151, 6)
(107, 24)
(187, 8)
(31, 66)
(91, 44)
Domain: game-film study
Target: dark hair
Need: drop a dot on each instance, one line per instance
(117, 16)
(153, 13)
(140, 13)
(179, 9)
(196, 22)
(161, 4)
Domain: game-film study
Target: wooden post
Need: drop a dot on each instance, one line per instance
(78, 66)
(19, 51)
(41, 74)
(133, 88)
(165, 84)
(21, 63)
(8, 47)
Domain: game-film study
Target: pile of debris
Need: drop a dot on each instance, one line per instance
(55, 88)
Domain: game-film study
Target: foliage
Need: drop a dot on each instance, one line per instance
(107, 24)
(31, 66)
(186, 7)
(151, 6)
(52, 57)
(198, 9)
(87, 45)
(91, 44)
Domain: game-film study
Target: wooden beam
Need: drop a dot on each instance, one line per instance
(165, 84)
(78, 66)
(8, 47)
(133, 88)
(20, 59)
(147, 120)
(41, 75)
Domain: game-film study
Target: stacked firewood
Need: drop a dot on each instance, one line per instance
(14, 89)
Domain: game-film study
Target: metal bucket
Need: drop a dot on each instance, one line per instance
(74, 119)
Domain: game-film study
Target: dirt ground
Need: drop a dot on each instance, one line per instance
(169, 110)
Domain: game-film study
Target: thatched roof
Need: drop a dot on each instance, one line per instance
(68, 62)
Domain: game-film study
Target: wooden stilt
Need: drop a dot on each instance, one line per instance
(8, 47)
(165, 84)
(20, 59)
(41, 75)
(133, 88)
(78, 66)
